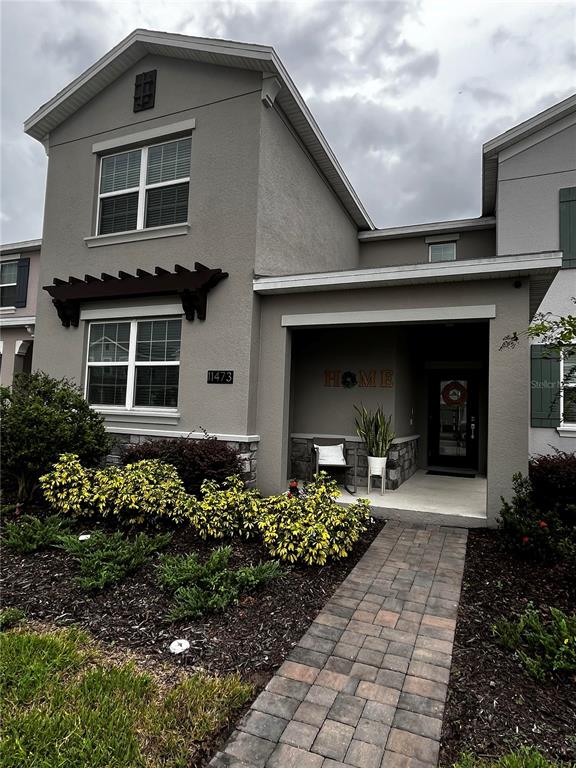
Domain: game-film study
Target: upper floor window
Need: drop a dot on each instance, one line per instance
(442, 252)
(134, 363)
(14, 282)
(145, 187)
(8, 283)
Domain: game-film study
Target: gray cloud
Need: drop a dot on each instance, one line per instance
(405, 106)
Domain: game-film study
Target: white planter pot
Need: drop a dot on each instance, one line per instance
(377, 466)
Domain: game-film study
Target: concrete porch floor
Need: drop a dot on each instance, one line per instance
(458, 501)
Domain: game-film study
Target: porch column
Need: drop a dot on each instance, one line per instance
(274, 405)
(508, 401)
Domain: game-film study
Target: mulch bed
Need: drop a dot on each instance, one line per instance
(251, 638)
(493, 705)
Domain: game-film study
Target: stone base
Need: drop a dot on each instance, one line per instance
(402, 461)
(247, 452)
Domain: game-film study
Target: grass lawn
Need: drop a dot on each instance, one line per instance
(494, 706)
(66, 703)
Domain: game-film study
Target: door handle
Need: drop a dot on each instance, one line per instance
(472, 427)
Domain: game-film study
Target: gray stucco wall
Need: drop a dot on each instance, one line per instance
(302, 227)
(475, 244)
(529, 176)
(508, 374)
(222, 215)
(11, 362)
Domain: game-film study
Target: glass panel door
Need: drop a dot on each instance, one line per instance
(453, 420)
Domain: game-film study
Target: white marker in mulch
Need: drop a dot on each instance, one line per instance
(179, 646)
(84, 537)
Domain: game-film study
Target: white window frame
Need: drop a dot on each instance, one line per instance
(142, 187)
(8, 285)
(131, 364)
(442, 261)
(563, 386)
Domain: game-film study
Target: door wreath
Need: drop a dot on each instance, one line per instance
(454, 393)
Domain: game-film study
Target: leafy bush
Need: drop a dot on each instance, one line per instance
(42, 418)
(146, 491)
(525, 757)
(541, 647)
(11, 617)
(312, 527)
(200, 588)
(230, 509)
(105, 559)
(195, 460)
(30, 533)
(553, 480)
(533, 531)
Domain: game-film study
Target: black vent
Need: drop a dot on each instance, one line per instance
(144, 90)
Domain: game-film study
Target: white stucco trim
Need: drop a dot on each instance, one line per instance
(349, 438)
(413, 230)
(428, 272)
(179, 433)
(152, 233)
(566, 430)
(22, 245)
(409, 315)
(13, 322)
(142, 137)
(111, 313)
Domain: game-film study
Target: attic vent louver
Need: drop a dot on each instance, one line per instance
(145, 90)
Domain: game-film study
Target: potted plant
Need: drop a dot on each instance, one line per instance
(375, 429)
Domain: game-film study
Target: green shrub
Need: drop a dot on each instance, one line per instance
(210, 586)
(541, 647)
(145, 492)
(42, 418)
(525, 757)
(106, 558)
(195, 460)
(29, 533)
(530, 531)
(313, 527)
(227, 510)
(11, 617)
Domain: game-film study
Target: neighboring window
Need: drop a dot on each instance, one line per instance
(442, 252)
(568, 392)
(144, 90)
(8, 283)
(134, 364)
(568, 227)
(145, 187)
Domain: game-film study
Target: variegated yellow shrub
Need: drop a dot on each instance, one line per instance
(68, 487)
(230, 509)
(312, 528)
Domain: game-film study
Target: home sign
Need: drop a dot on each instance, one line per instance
(375, 377)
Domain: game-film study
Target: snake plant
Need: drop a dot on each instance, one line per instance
(375, 429)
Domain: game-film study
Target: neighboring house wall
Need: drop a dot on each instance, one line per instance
(475, 244)
(222, 211)
(531, 174)
(302, 226)
(17, 323)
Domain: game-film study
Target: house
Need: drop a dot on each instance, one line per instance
(207, 264)
(19, 269)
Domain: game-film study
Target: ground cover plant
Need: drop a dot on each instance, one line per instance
(494, 706)
(43, 417)
(202, 587)
(525, 757)
(542, 646)
(66, 703)
(107, 558)
(29, 533)
(195, 460)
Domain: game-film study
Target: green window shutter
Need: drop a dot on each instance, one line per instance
(544, 386)
(568, 226)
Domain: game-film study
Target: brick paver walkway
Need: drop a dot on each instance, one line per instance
(366, 685)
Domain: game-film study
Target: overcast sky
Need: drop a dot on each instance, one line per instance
(405, 92)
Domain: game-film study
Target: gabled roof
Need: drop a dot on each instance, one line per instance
(492, 148)
(260, 58)
(22, 246)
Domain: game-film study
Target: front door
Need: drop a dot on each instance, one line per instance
(453, 420)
